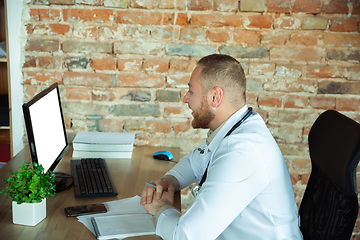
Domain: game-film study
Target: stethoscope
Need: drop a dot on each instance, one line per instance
(196, 189)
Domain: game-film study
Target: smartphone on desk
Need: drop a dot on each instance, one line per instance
(85, 210)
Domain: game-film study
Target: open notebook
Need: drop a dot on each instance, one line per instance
(122, 226)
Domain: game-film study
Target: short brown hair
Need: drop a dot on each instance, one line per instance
(225, 72)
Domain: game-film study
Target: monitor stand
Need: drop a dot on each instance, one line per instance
(62, 181)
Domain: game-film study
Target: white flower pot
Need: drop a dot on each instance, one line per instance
(28, 214)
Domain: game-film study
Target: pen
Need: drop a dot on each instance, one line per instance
(153, 185)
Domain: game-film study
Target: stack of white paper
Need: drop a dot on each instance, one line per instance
(103, 145)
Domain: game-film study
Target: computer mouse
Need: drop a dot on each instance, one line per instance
(163, 155)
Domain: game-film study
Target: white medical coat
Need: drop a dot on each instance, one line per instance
(247, 194)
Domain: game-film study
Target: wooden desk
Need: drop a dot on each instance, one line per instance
(129, 176)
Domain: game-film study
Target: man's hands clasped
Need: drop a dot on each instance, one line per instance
(153, 199)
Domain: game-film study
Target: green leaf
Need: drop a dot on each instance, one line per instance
(30, 184)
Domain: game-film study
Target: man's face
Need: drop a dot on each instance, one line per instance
(198, 102)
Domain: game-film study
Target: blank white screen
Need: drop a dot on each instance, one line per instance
(47, 125)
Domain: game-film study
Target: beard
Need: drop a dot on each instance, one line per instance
(203, 116)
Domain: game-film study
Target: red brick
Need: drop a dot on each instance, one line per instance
(218, 35)
(140, 80)
(353, 73)
(307, 6)
(145, 4)
(49, 15)
(182, 66)
(288, 70)
(158, 126)
(78, 93)
(103, 63)
(29, 28)
(260, 21)
(42, 78)
(42, 45)
(30, 61)
(102, 95)
(61, 29)
(88, 79)
(336, 6)
(171, 4)
(280, 6)
(296, 54)
(290, 85)
(142, 18)
(246, 36)
(34, 14)
(294, 178)
(172, 111)
(165, 33)
(356, 9)
(166, 4)
(180, 19)
(343, 25)
(182, 127)
(293, 101)
(156, 65)
(192, 34)
(147, 141)
(322, 102)
(301, 164)
(287, 23)
(30, 91)
(304, 38)
(129, 65)
(42, 29)
(270, 38)
(216, 20)
(270, 99)
(50, 62)
(200, 5)
(226, 5)
(305, 178)
(67, 121)
(111, 125)
(342, 39)
(347, 104)
(251, 98)
(86, 32)
(178, 81)
(94, 15)
(262, 69)
(325, 72)
(109, 32)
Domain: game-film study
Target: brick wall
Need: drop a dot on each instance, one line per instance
(123, 65)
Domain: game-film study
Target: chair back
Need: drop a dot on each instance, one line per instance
(329, 207)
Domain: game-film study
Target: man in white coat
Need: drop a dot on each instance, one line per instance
(245, 189)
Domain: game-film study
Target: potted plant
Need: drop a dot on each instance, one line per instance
(28, 189)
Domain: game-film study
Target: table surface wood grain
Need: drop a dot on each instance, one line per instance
(129, 176)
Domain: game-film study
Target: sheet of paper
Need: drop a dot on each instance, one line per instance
(122, 206)
(122, 226)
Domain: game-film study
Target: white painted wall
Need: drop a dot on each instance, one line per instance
(14, 17)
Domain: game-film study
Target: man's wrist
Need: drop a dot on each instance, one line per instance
(173, 181)
(153, 221)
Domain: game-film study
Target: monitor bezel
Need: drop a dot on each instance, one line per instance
(27, 118)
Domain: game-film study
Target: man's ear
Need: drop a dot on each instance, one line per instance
(216, 94)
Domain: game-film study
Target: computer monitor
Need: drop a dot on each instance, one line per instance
(47, 133)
